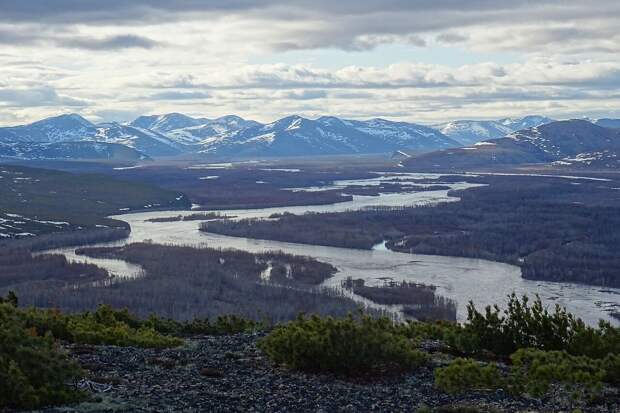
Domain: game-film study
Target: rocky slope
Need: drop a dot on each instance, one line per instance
(229, 374)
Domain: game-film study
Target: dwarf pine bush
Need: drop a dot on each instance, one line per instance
(343, 346)
(466, 374)
(522, 325)
(533, 372)
(33, 371)
(104, 326)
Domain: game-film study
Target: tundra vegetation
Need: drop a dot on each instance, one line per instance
(35, 371)
(40, 201)
(541, 351)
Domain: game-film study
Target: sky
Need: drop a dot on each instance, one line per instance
(425, 61)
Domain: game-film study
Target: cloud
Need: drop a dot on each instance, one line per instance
(423, 59)
(451, 38)
(35, 36)
(34, 97)
(345, 24)
(584, 73)
(304, 94)
(125, 41)
(179, 95)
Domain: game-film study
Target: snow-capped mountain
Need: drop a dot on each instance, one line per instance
(575, 143)
(57, 129)
(328, 135)
(526, 122)
(147, 141)
(65, 129)
(291, 136)
(211, 130)
(234, 137)
(166, 123)
(403, 135)
(468, 132)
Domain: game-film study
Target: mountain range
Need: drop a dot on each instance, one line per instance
(229, 136)
(74, 137)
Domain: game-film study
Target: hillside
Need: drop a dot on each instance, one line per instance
(39, 201)
(575, 143)
(524, 359)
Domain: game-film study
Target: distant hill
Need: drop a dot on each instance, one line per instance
(608, 123)
(468, 132)
(576, 143)
(87, 150)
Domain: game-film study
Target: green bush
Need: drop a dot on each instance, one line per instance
(533, 371)
(223, 325)
(522, 325)
(466, 374)
(104, 326)
(33, 372)
(611, 365)
(343, 346)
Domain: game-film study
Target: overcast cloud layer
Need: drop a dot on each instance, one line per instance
(423, 61)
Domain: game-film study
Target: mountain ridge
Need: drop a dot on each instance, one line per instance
(231, 136)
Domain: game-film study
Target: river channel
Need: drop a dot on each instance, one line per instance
(462, 279)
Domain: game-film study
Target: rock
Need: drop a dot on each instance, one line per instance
(211, 372)
(230, 374)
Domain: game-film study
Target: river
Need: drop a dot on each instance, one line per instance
(462, 279)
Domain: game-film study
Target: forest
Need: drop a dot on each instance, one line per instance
(418, 300)
(183, 283)
(19, 266)
(556, 229)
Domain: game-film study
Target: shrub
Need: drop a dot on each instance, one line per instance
(522, 325)
(104, 326)
(426, 330)
(611, 365)
(594, 342)
(223, 325)
(343, 346)
(11, 299)
(533, 371)
(467, 374)
(33, 372)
